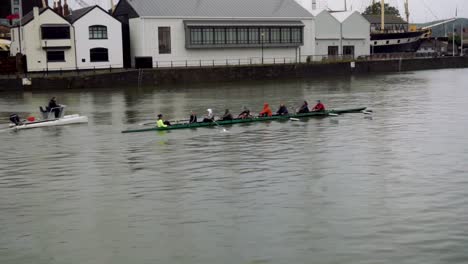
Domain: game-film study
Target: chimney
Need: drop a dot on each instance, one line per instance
(314, 4)
(55, 6)
(60, 8)
(36, 12)
(66, 11)
(44, 4)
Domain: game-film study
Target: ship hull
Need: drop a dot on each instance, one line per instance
(396, 42)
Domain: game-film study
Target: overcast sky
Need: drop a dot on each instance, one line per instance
(421, 10)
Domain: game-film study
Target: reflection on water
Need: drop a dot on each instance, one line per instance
(386, 188)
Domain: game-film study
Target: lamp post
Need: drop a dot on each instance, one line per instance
(263, 37)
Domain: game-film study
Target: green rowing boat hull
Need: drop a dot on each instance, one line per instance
(248, 120)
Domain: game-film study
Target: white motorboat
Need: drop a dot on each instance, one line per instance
(50, 119)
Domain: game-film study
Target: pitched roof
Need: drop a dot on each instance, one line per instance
(389, 19)
(342, 16)
(77, 14)
(220, 8)
(30, 16)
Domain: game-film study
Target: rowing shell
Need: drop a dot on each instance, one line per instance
(249, 120)
(66, 120)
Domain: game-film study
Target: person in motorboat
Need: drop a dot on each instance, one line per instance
(209, 116)
(161, 122)
(266, 111)
(52, 107)
(227, 115)
(245, 113)
(318, 107)
(304, 108)
(14, 118)
(283, 110)
(193, 117)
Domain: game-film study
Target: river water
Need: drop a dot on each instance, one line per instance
(391, 187)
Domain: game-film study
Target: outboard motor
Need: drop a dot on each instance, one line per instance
(14, 118)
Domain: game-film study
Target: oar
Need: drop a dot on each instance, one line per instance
(151, 123)
(224, 130)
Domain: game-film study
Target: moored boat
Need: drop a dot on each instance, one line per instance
(49, 119)
(248, 120)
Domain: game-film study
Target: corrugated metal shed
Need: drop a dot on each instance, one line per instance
(220, 8)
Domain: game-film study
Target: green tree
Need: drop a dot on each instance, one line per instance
(375, 10)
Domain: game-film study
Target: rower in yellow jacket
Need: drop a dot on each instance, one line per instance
(161, 122)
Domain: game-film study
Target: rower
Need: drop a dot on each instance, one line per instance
(318, 107)
(304, 108)
(227, 115)
(209, 116)
(282, 110)
(193, 117)
(14, 118)
(54, 107)
(244, 114)
(161, 122)
(266, 111)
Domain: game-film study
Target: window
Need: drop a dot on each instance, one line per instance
(164, 37)
(16, 2)
(231, 35)
(196, 36)
(15, 10)
(207, 36)
(220, 35)
(56, 32)
(332, 50)
(348, 50)
(285, 35)
(55, 56)
(296, 35)
(253, 36)
(275, 35)
(97, 32)
(242, 36)
(98, 54)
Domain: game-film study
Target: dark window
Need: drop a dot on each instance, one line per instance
(253, 36)
(242, 36)
(285, 35)
(265, 35)
(399, 41)
(196, 36)
(164, 36)
(56, 32)
(332, 50)
(97, 32)
(208, 36)
(231, 35)
(16, 10)
(296, 35)
(55, 56)
(16, 2)
(388, 41)
(275, 35)
(375, 42)
(348, 50)
(220, 35)
(98, 54)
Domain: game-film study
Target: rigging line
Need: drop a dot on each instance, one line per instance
(429, 9)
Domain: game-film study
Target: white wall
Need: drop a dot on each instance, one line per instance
(32, 44)
(327, 33)
(356, 32)
(144, 42)
(113, 42)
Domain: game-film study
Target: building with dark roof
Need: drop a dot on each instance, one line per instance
(172, 32)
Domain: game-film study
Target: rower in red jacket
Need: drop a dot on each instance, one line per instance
(266, 111)
(318, 107)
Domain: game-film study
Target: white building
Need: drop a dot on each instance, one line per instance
(327, 35)
(47, 40)
(179, 32)
(355, 34)
(98, 38)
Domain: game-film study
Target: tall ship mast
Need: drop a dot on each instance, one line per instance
(391, 34)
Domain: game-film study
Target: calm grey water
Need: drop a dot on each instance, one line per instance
(386, 188)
